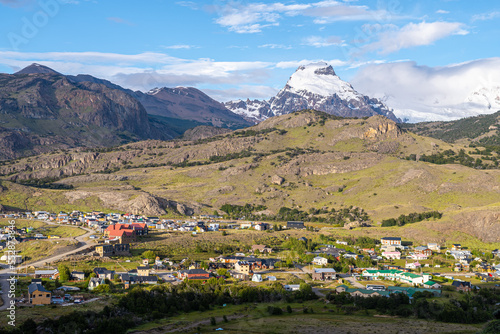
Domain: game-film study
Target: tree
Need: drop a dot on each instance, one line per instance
(28, 327)
(64, 273)
(149, 254)
(222, 272)
(289, 309)
(102, 288)
(491, 327)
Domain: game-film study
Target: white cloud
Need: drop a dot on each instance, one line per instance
(334, 12)
(391, 38)
(485, 16)
(442, 11)
(296, 63)
(275, 46)
(142, 71)
(318, 41)
(421, 93)
(190, 4)
(180, 46)
(253, 17)
(120, 20)
(246, 91)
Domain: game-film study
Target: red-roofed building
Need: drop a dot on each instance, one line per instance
(139, 228)
(125, 233)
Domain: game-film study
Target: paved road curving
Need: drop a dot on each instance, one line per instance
(6, 273)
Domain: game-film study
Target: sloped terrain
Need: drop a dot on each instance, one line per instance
(314, 86)
(302, 160)
(43, 111)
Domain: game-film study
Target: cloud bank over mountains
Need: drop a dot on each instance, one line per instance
(422, 93)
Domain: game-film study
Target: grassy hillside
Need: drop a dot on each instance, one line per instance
(471, 128)
(303, 160)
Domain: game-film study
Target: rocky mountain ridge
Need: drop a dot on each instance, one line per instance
(315, 86)
(42, 110)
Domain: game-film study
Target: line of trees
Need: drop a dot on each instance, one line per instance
(411, 218)
(323, 215)
(470, 308)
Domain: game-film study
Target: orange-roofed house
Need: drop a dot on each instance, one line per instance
(125, 233)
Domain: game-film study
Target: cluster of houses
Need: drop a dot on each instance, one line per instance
(247, 268)
(381, 290)
(100, 221)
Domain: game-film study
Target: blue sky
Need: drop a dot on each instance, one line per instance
(240, 49)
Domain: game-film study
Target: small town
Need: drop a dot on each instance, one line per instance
(361, 268)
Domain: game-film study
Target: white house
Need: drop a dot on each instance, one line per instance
(460, 254)
(391, 241)
(257, 278)
(320, 261)
(213, 227)
(434, 247)
(413, 265)
(419, 257)
(392, 255)
(292, 287)
(94, 282)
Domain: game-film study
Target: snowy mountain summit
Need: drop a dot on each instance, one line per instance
(314, 86)
(319, 79)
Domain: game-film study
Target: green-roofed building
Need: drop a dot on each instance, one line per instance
(410, 291)
(395, 275)
(362, 292)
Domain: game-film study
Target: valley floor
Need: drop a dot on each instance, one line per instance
(325, 319)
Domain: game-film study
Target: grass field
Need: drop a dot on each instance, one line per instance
(40, 313)
(63, 231)
(325, 319)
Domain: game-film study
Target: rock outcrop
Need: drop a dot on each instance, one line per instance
(276, 179)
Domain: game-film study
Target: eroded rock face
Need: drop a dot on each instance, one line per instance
(355, 224)
(276, 179)
(146, 204)
(485, 225)
(136, 202)
(381, 127)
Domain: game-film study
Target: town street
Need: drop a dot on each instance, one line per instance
(5, 273)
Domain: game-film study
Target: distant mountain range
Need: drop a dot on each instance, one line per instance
(42, 110)
(315, 86)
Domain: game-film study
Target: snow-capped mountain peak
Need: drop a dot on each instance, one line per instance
(319, 79)
(154, 91)
(314, 86)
